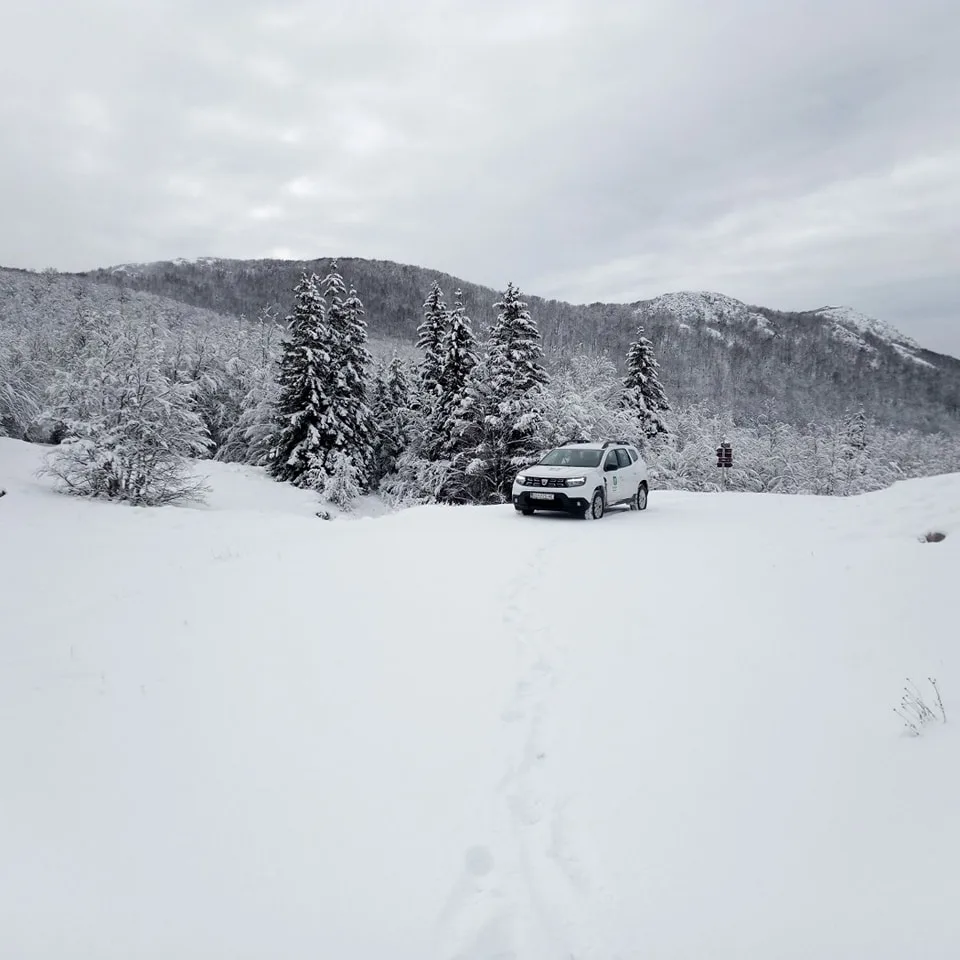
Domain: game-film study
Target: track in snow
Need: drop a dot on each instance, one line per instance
(525, 891)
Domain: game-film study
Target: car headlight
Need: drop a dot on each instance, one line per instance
(522, 480)
(576, 481)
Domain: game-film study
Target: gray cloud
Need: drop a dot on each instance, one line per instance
(791, 154)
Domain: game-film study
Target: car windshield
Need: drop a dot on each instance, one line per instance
(572, 457)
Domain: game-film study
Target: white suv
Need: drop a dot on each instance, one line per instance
(584, 478)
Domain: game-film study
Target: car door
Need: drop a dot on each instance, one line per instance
(639, 464)
(628, 475)
(612, 477)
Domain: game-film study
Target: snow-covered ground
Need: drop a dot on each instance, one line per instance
(238, 732)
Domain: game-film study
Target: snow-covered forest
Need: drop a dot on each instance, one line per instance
(127, 386)
(752, 361)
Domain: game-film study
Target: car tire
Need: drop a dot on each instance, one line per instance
(640, 500)
(527, 511)
(596, 508)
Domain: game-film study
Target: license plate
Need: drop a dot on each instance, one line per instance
(541, 496)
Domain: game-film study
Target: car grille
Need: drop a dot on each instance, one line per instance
(546, 482)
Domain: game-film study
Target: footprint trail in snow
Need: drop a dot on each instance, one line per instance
(521, 893)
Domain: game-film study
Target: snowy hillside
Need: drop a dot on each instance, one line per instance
(849, 326)
(715, 310)
(803, 367)
(237, 732)
(854, 320)
(717, 313)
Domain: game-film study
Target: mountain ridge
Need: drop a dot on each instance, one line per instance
(752, 361)
(843, 317)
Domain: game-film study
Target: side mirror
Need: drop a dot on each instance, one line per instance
(610, 466)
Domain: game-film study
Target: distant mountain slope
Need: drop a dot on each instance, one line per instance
(750, 360)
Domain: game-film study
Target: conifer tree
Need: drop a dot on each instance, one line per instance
(515, 344)
(391, 418)
(458, 358)
(856, 432)
(430, 335)
(495, 426)
(306, 428)
(349, 410)
(644, 392)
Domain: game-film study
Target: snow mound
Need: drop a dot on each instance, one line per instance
(236, 731)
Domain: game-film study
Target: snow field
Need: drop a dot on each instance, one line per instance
(238, 731)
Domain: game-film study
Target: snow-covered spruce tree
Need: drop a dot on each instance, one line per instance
(321, 401)
(856, 430)
(495, 427)
(349, 410)
(515, 343)
(419, 473)
(305, 430)
(458, 357)
(128, 429)
(430, 336)
(645, 394)
(391, 418)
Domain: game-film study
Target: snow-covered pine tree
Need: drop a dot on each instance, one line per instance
(349, 411)
(515, 343)
(644, 392)
(856, 431)
(458, 356)
(391, 416)
(430, 336)
(306, 429)
(495, 427)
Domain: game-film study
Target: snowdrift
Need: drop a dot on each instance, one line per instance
(238, 732)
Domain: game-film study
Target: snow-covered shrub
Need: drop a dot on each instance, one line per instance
(416, 480)
(250, 438)
(585, 401)
(128, 430)
(340, 482)
(825, 458)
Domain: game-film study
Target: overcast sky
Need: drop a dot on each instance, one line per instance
(792, 153)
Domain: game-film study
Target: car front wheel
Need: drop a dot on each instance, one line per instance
(595, 510)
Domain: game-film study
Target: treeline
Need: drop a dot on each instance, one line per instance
(455, 427)
(712, 349)
(129, 392)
